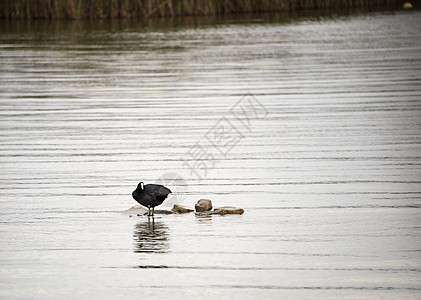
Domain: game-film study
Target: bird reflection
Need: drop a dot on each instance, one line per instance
(150, 236)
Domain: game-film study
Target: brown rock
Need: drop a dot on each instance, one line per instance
(203, 205)
(204, 213)
(180, 209)
(228, 210)
(407, 5)
(163, 212)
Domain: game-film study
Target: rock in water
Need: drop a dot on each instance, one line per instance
(163, 212)
(407, 5)
(135, 210)
(180, 209)
(228, 210)
(203, 205)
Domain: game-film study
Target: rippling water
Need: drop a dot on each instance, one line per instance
(324, 157)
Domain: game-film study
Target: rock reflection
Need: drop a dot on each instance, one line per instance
(150, 236)
(203, 218)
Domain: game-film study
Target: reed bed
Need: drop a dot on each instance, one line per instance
(98, 9)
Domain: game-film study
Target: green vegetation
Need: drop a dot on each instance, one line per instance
(96, 9)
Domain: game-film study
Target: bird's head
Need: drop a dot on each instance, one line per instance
(140, 186)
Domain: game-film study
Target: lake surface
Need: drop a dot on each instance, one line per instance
(312, 124)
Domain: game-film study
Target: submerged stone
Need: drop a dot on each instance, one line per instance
(203, 205)
(139, 210)
(181, 209)
(228, 210)
(163, 212)
(135, 211)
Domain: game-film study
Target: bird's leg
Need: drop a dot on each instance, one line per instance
(149, 210)
(153, 211)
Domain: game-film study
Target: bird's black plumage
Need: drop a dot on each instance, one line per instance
(150, 195)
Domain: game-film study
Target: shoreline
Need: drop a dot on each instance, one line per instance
(145, 9)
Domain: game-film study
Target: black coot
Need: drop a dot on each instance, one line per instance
(150, 195)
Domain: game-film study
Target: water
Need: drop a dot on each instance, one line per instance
(326, 163)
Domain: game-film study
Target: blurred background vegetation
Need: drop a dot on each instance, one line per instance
(99, 9)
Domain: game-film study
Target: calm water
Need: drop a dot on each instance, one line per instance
(311, 124)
